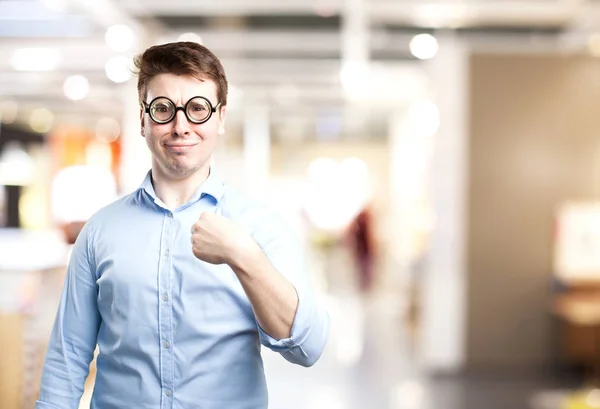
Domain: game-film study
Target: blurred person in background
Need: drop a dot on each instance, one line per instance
(361, 240)
(181, 281)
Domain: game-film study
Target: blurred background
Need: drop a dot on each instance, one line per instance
(440, 160)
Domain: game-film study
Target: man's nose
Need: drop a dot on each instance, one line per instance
(181, 125)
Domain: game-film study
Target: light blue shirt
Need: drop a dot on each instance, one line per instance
(173, 331)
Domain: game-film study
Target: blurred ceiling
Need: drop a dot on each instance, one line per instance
(285, 53)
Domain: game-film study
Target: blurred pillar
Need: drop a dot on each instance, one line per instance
(443, 300)
(355, 54)
(135, 156)
(257, 148)
(409, 163)
(355, 32)
(13, 195)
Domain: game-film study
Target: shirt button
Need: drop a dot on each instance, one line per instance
(168, 393)
(167, 252)
(166, 344)
(165, 297)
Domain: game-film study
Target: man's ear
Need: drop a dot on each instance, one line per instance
(142, 123)
(221, 130)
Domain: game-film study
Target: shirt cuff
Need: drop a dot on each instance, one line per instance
(300, 328)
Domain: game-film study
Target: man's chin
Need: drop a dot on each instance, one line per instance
(182, 172)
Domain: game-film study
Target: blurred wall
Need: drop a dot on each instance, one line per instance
(534, 142)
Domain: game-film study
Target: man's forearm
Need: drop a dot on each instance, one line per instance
(273, 298)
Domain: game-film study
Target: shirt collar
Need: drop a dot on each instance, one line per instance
(212, 186)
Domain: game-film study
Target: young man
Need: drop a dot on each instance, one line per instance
(181, 281)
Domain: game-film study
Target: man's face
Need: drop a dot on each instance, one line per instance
(181, 148)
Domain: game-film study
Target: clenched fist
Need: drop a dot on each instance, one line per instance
(218, 240)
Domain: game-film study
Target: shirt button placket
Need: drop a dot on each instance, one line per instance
(165, 328)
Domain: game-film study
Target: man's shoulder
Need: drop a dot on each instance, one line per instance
(112, 211)
(236, 204)
(249, 210)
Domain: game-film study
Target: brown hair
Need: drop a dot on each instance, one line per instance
(182, 58)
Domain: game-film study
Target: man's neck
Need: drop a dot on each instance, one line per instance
(176, 192)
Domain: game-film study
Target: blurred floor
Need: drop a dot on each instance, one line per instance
(371, 363)
(363, 366)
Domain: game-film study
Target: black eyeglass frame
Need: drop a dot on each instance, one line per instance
(184, 108)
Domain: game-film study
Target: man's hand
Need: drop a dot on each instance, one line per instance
(218, 240)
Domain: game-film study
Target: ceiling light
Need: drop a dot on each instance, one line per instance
(41, 120)
(424, 46)
(117, 69)
(76, 87)
(119, 38)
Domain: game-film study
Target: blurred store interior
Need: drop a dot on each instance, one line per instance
(440, 160)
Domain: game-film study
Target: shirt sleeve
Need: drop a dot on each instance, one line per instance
(310, 328)
(74, 335)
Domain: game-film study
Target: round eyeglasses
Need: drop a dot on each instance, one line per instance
(197, 110)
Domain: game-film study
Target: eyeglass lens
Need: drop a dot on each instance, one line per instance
(197, 110)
